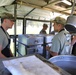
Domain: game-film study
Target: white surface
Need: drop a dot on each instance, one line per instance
(28, 66)
(5, 2)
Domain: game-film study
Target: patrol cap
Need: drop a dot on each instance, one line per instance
(7, 16)
(60, 20)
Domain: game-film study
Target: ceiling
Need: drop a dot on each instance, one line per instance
(37, 9)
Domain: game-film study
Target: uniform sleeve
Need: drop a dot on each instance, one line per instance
(55, 45)
(1, 39)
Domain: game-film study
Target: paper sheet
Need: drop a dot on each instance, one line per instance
(32, 66)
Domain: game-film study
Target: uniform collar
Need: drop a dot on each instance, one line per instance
(61, 30)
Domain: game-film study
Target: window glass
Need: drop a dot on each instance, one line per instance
(34, 27)
(52, 28)
(19, 28)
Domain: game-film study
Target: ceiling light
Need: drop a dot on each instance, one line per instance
(66, 2)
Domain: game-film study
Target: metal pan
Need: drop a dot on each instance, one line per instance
(66, 62)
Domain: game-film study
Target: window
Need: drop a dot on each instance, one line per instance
(19, 28)
(34, 27)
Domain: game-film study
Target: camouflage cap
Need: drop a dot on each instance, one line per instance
(60, 20)
(7, 16)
